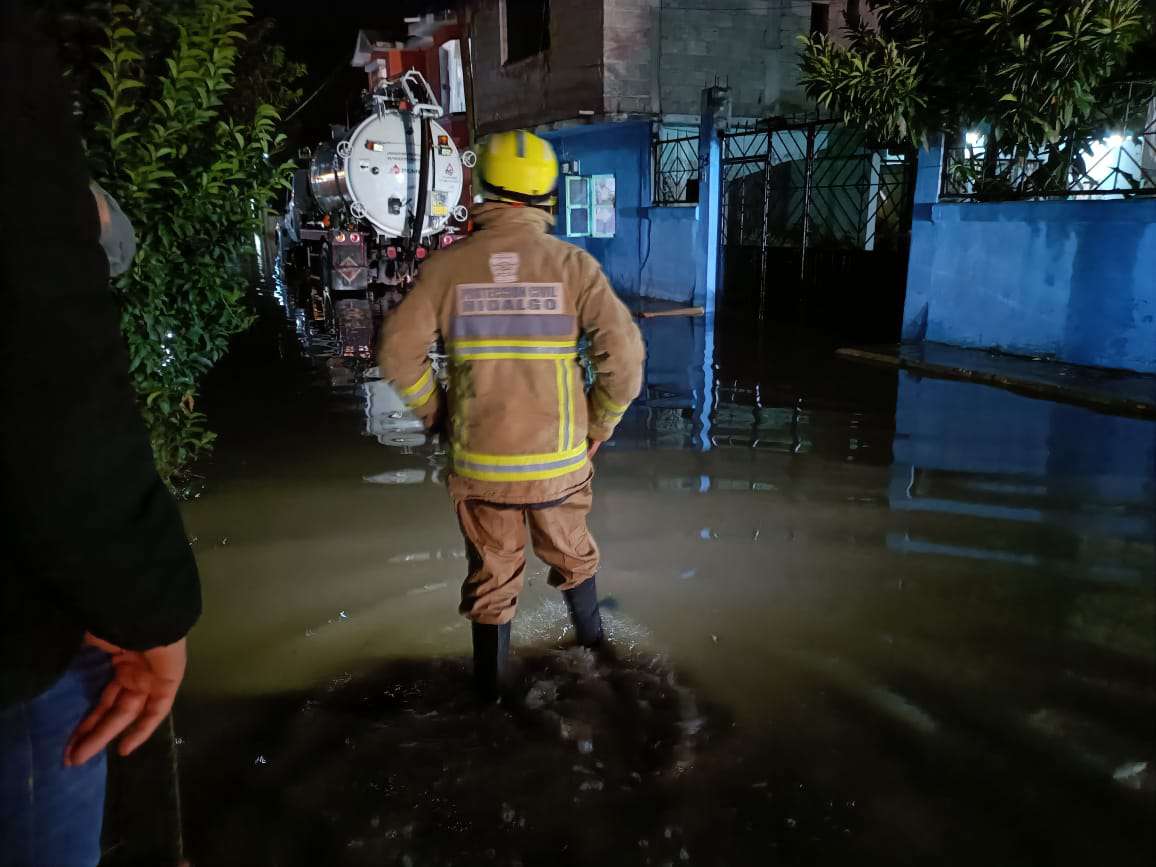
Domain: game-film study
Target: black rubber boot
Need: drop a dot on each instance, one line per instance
(583, 604)
(491, 650)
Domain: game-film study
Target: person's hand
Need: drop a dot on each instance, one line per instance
(592, 447)
(134, 703)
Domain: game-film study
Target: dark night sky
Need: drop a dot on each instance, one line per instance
(323, 37)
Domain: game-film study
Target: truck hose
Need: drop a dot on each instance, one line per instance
(424, 151)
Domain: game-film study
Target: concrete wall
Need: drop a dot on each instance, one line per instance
(749, 45)
(645, 57)
(652, 251)
(630, 56)
(555, 85)
(1071, 279)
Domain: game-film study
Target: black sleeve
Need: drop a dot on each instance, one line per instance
(89, 522)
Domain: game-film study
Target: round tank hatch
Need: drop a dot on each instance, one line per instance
(382, 173)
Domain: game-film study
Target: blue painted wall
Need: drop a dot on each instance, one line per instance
(1085, 480)
(1071, 279)
(652, 251)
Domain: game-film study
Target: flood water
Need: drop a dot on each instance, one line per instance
(858, 618)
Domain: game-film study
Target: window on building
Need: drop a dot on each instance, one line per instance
(591, 202)
(854, 14)
(820, 19)
(453, 81)
(577, 206)
(604, 201)
(525, 28)
(675, 161)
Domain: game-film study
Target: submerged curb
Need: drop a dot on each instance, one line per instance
(1091, 398)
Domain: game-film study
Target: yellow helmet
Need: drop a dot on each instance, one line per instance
(517, 166)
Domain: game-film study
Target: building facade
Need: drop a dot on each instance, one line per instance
(609, 81)
(434, 48)
(651, 58)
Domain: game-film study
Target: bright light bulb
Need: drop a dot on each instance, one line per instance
(974, 138)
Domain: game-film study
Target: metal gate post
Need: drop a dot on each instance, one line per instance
(763, 238)
(808, 177)
(708, 270)
(871, 200)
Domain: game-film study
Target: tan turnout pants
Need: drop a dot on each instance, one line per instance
(496, 548)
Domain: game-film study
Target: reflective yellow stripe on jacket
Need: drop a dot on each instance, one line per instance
(608, 408)
(519, 468)
(506, 348)
(418, 394)
(568, 457)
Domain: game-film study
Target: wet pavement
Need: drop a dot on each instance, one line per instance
(1117, 392)
(859, 617)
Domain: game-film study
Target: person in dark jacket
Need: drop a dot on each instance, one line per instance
(98, 587)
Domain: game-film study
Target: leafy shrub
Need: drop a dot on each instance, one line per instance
(192, 162)
(1028, 70)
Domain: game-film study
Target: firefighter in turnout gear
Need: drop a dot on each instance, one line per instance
(511, 303)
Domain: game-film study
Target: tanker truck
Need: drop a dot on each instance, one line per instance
(369, 208)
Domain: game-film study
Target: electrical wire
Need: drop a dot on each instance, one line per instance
(328, 80)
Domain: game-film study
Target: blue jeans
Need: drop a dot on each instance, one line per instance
(50, 815)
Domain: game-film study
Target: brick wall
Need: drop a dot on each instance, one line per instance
(660, 54)
(645, 57)
(630, 56)
(554, 85)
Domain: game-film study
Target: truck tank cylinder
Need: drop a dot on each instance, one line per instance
(379, 179)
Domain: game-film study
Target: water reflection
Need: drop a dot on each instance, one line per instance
(386, 417)
(897, 608)
(1078, 485)
(1075, 487)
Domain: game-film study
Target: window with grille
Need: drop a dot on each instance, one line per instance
(675, 161)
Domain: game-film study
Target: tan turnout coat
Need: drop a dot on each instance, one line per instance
(510, 303)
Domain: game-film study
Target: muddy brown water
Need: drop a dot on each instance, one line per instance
(858, 617)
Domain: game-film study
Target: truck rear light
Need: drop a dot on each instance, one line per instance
(447, 240)
(339, 237)
(391, 252)
(354, 238)
(420, 253)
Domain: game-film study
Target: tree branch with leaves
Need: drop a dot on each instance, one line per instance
(1028, 70)
(191, 153)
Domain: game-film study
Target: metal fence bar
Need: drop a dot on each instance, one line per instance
(808, 177)
(763, 237)
(1112, 155)
(819, 185)
(676, 170)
